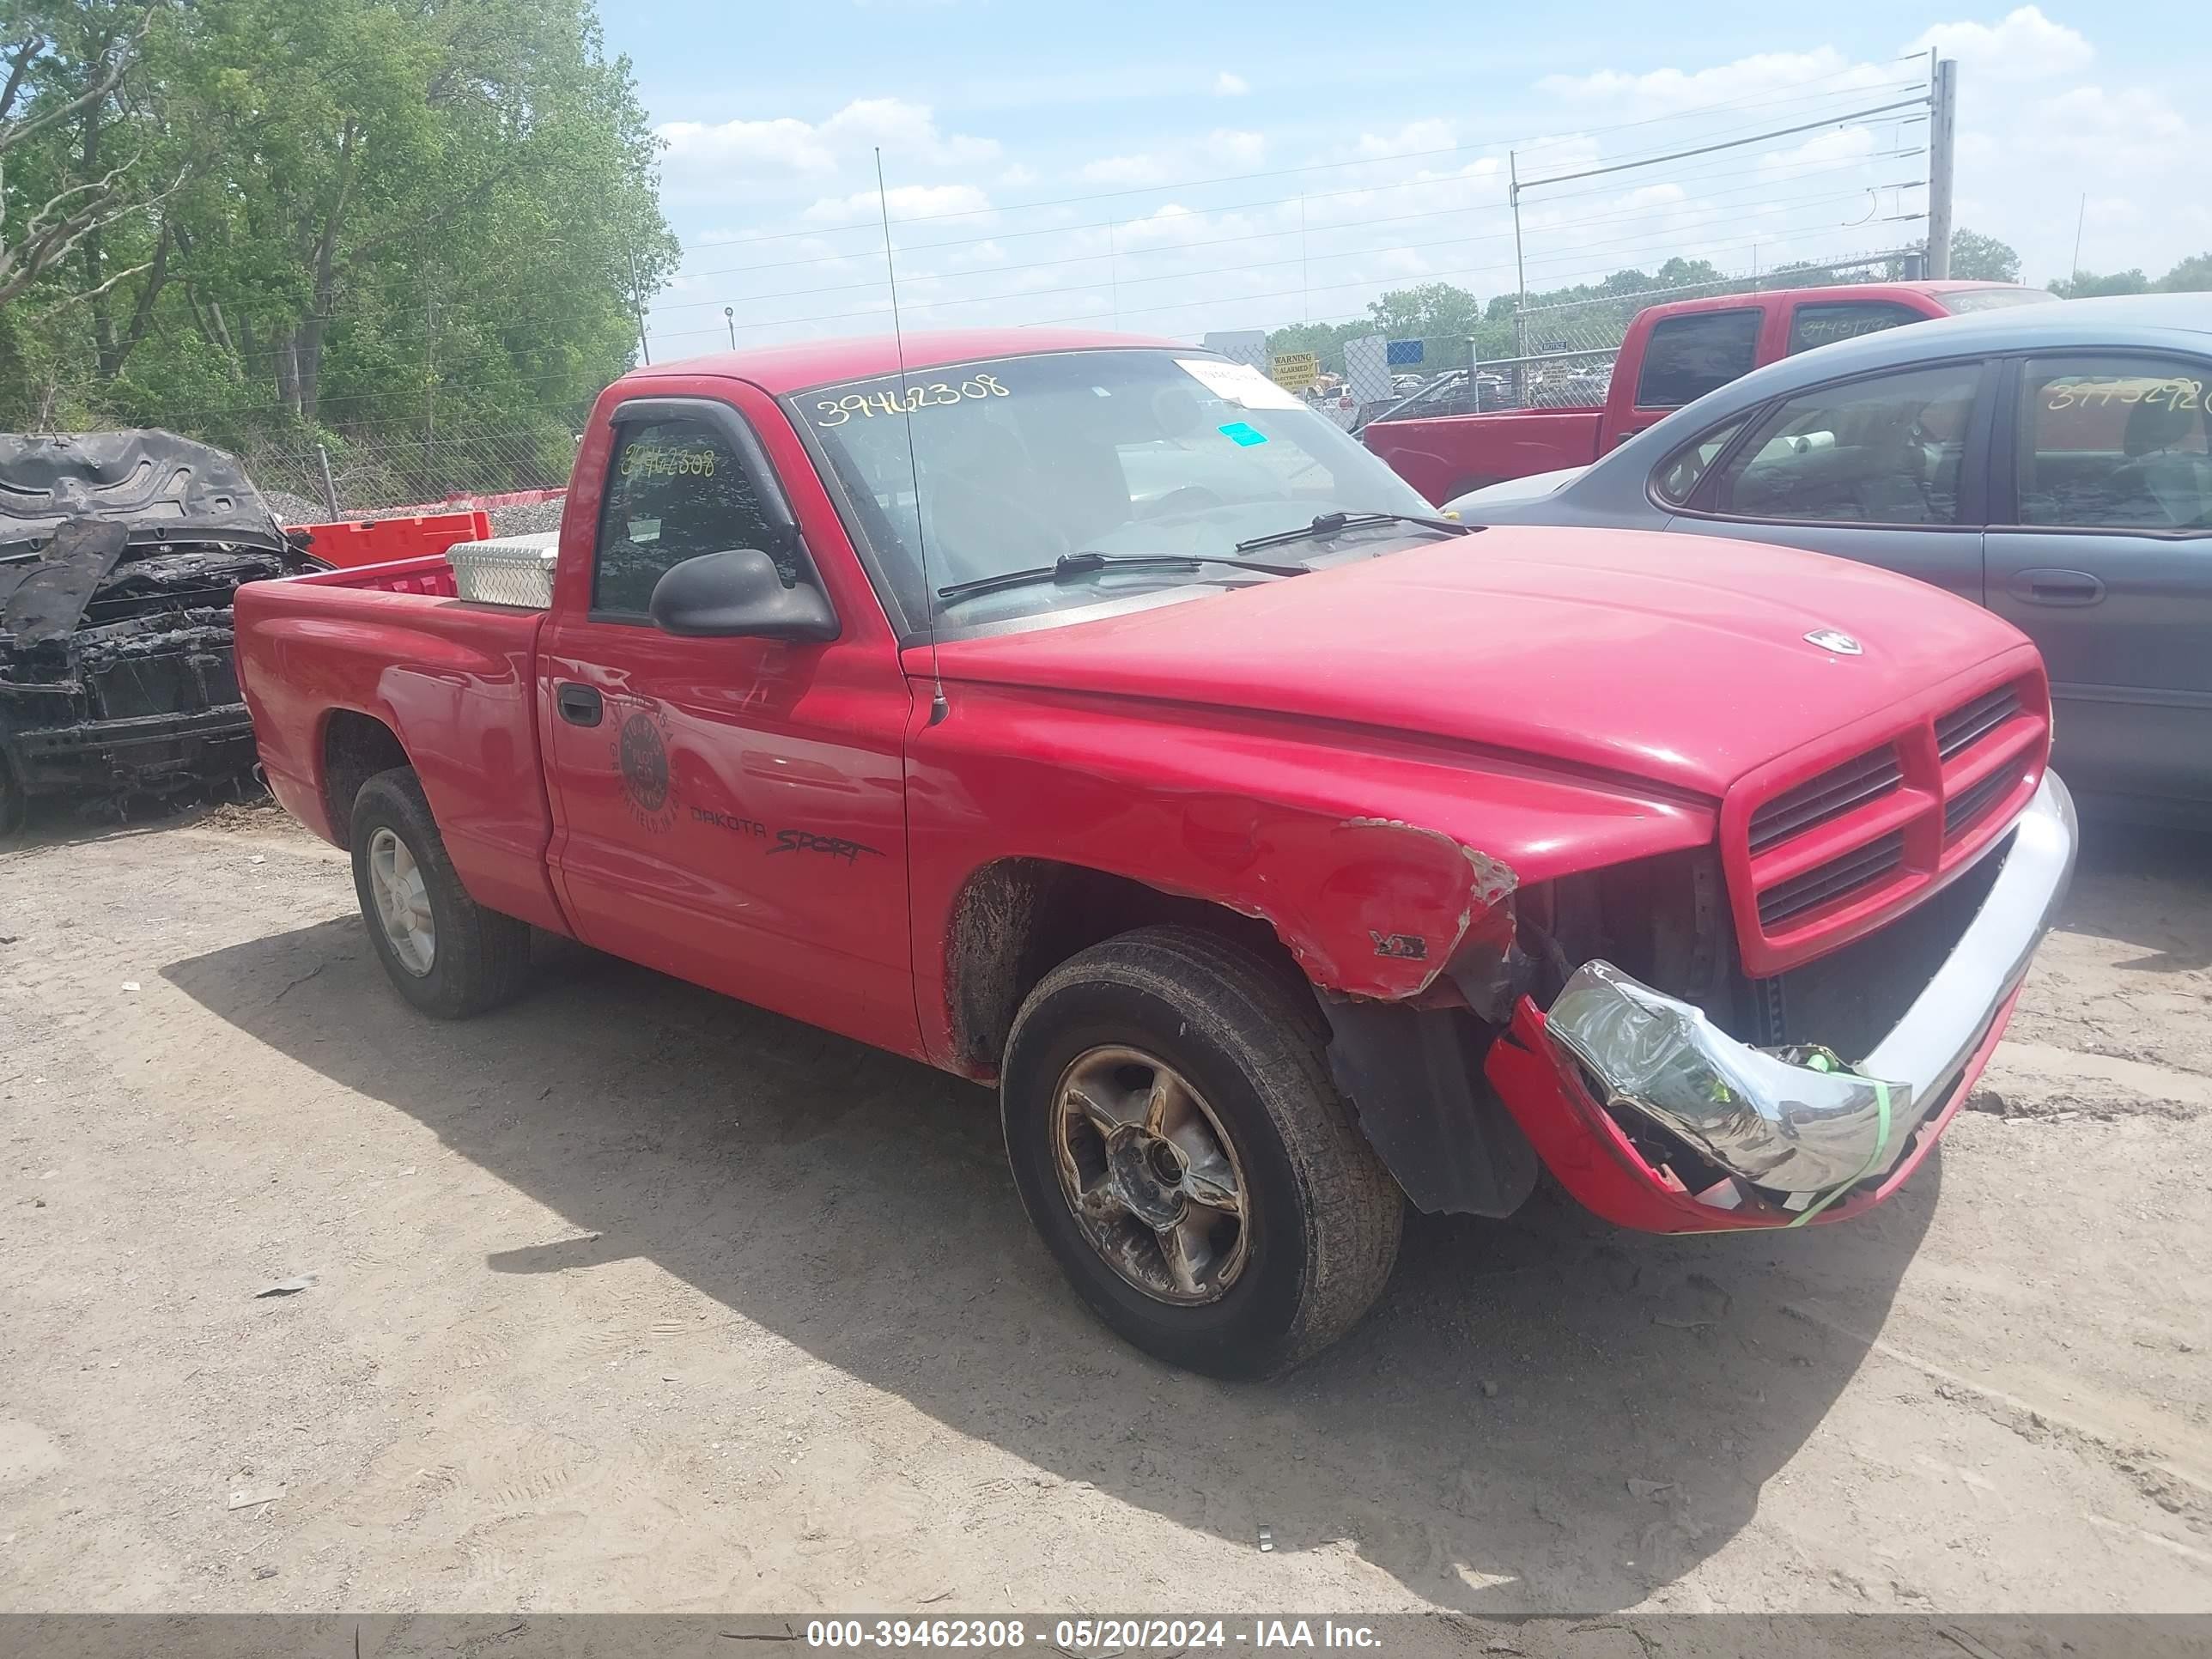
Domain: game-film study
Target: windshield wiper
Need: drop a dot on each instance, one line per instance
(1068, 565)
(1333, 523)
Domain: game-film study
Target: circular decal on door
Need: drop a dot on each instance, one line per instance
(641, 760)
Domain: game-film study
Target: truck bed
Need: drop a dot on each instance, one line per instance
(1447, 455)
(403, 673)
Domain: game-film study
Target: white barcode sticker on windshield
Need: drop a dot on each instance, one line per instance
(1240, 382)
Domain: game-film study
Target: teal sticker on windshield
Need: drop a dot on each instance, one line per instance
(1237, 432)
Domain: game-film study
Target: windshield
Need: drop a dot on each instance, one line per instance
(1017, 461)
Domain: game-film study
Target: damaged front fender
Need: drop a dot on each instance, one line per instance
(1370, 907)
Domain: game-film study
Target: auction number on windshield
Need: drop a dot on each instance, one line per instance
(938, 394)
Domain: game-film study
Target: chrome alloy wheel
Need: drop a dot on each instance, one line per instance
(402, 904)
(1151, 1175)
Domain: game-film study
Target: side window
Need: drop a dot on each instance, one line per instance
(1885, 450)
(675, 489)
(1681, 472)
(1686, 357)
(1813, 325)
(2115, 443)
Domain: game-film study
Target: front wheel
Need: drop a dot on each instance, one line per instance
(1177, 1141)
(443, 951)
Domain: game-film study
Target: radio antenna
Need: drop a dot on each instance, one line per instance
(937, 706)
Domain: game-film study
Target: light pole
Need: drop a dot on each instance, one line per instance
(729, 316)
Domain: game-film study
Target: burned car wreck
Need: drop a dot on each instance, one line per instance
(119, 555)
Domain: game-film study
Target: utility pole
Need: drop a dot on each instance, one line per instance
(637, 309)
(1521, 283)
(1520, 269)
(1942, 142)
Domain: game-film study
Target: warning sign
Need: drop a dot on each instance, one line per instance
(1295, 371)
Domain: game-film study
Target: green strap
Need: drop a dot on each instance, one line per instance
(1881, 1143)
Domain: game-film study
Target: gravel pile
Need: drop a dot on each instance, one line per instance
(526, 520)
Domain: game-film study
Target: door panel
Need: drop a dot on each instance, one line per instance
(1887, 468)
(731, 810)
(2102, 553)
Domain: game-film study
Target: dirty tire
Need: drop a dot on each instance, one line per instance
(483, 956)
(1324, 1215)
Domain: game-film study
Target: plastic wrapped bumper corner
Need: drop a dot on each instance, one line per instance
(1782, 1118)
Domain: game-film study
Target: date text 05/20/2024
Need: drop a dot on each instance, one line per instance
(1079, 1635)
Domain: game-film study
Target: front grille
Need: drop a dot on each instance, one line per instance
(1970, 803)
(1850, 999)
(1830, 795)
(1839, 876)
(1962, 728)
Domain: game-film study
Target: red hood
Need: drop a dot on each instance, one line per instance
(1681, 660)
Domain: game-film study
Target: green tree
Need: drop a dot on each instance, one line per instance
(1432, 310)
(62, 66)
(395, 226)
(1977, 258)
(2089, 285)
(2191, 275)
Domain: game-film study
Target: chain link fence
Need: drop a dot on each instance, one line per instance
(305, 483)
(1564, 354)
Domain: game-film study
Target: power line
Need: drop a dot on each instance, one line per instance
(1102, 224)
(1622, 249)
(1782, 204)
(1855, 164)
(1490, 142)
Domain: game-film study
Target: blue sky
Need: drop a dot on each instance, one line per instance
(1178, 168)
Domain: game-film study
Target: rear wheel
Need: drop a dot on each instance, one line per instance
(1178, 1143)
(442, 951)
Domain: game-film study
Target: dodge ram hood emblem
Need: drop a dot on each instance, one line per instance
(1835, 640)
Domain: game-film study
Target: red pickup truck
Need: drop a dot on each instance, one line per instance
(1672, 355)
(1087, 716)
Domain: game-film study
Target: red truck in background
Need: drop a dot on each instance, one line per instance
(1442, 442)
(1087, 716)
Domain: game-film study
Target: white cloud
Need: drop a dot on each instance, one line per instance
(1412, 139)
(1674, 88)
(729, 157)
(1125, 170)
(2026, 46)
(1236, 150)
(907, 202)
(1016, 176)
(1225, 147)
(1835, 146)
(1226, 85)
(781, 143)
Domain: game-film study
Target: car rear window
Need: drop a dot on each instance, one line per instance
(1688, 356)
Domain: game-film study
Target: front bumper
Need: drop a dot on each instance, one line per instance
(1791, 1137)
(145, 752)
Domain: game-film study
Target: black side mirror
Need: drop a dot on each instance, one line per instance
(739, 594)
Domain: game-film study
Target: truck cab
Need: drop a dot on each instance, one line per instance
(1559, 409)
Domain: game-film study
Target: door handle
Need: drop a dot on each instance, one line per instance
(580, 705)
(2056, 587)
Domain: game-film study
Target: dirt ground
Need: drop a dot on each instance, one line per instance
(627, 1298)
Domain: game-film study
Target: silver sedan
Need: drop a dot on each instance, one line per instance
(2053, 463)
